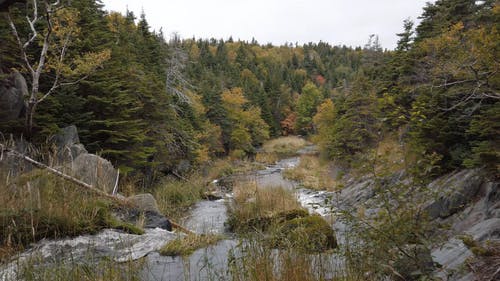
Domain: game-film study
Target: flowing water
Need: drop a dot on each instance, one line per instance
(209, 217)
(206, 217)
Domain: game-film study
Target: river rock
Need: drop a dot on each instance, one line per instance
(111, 244)
(146, 208)
(95, 170)
(146, 219)
(144, 202)
(12, 92)
(485, 230)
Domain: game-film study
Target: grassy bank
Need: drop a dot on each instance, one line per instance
(256, 208)
(174, 196)
(39, 205)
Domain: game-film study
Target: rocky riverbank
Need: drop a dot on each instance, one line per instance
(466, 202)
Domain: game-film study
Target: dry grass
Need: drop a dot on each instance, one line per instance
(225, 167)
(252, 201)
(186, 245)
(259, 262)
(39, 205)
(174, 197)
(267, 158)
(258, 208)
(486, 261)
(312, 173)
(284, 146)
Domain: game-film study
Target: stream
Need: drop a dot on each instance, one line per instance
(205, 217)
(209, 216)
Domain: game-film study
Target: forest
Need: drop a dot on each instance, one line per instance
(146, 101)
(312, 161)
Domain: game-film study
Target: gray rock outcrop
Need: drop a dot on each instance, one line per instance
(75, 159)
(13, 90)
(454, 192)
(466, 202)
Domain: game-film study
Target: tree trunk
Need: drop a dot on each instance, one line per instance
(30, 113)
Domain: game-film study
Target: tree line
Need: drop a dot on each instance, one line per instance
(149, 103)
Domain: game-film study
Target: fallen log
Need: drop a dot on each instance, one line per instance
(78, 182)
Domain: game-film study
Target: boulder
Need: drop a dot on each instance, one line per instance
(144, 202)
(12, 92)
(68, 145)
(95, 170)
(77, 150)
(148, 219)
(66, 137)
(146, 209)
(183, 167)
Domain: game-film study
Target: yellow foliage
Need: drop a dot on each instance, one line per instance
(194, 52)
(248, 126)
(325, 115)
(233, 99)
(196, 103)
(115, 20)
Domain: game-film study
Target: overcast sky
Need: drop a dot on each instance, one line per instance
(347, 22)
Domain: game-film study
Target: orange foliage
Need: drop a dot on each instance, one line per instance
(288, 124)
(320, 80)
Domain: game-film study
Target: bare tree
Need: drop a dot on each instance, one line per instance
(61, 27)
(176, 82)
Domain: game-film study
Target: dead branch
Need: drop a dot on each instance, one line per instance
(122, 202)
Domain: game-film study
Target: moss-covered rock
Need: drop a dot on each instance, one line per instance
(310, 234)
(265, 221)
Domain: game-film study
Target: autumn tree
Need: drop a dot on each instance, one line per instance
(247, 129)
(324, 121)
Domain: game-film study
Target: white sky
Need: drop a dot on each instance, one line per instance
(348, 22)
